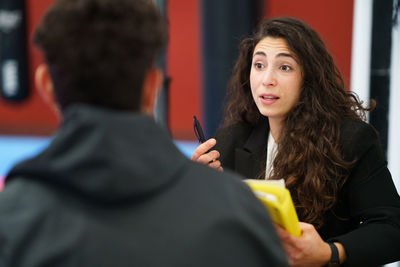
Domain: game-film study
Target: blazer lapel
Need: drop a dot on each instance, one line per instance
(251, 159)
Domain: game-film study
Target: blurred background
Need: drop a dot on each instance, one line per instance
(362, 36)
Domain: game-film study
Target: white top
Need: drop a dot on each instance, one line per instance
(271, 153)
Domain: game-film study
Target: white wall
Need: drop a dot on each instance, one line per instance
(361, 49)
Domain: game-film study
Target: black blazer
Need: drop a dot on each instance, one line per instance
(366, 218)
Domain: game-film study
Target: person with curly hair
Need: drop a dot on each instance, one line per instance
(289, 116)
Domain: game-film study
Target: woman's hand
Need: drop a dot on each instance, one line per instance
(307, 250)
(210, 158)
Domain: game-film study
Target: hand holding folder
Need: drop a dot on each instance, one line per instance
(276, 198)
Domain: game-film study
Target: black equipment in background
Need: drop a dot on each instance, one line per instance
(381, 47)
(13, 54)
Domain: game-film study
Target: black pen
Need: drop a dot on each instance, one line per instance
(198, 131)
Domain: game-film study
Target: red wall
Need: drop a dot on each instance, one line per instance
(30, 116)
(333, 20)
(184, 66)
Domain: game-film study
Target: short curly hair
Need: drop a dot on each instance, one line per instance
(98, 51)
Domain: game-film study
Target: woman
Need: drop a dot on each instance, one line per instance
(289, 116)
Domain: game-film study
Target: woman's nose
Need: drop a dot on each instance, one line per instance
(269, 77)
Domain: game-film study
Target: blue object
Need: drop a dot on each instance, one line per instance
(187, 147)
(14, 149)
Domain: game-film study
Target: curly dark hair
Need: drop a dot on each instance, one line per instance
(309, 157)
(98, 51)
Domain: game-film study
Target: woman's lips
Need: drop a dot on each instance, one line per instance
(268, 99)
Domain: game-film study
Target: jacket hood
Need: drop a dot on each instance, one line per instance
(106, 155)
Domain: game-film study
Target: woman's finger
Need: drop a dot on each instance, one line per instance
(203, 148)
(208, 157)
(215, 164)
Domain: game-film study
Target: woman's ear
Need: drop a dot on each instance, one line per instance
(45, 87)
(151, 88)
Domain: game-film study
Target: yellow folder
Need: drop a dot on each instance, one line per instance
(276, 198)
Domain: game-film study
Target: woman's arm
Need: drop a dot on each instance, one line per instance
(371, 200)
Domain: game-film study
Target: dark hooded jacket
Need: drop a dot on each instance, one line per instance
(113, 190)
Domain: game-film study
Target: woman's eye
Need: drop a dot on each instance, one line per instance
(286, 68)
(258, 65)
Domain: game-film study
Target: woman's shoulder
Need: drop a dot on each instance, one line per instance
(356, 128)
(357, 136)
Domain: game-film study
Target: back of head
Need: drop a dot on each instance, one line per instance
(98, 51)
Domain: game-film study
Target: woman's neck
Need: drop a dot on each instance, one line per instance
(275, 127)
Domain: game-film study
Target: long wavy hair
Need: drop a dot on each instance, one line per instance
(309, 157)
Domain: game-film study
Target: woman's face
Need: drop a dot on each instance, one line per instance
(275, 78)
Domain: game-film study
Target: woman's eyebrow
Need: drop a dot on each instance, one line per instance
(285, 55)
(261, 53)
